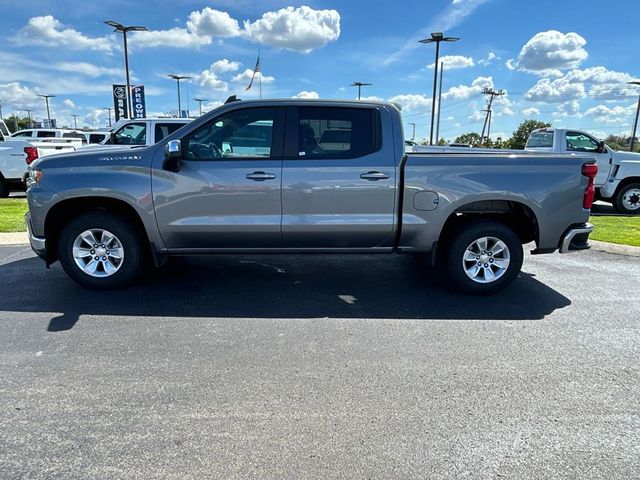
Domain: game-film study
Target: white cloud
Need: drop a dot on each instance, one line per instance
(455, 61)
(306, 94)
(50, 32)
(86, 68)
(462, 92)
(212, 23)
(201, 28)
(248, 73)
(224, 65)
(568, 109)
(530, 112)
(413, 103)
(68, 103)
(555, 91)
(374, 98)
(551, 51)
(508, 112)
(449, 18)
(614, 115)
(489, 60)
(19, 96)
(300, 29)
(208, 79)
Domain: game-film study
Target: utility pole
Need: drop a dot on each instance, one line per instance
(0, 110)
(118, 27)
(439, 103)
(413, 134)
(29, 116)
(46, 99)
(108, 109)
(75, 120)
(360, 85)
(635, 122)
(177, 78)
(200, 100)
(436, 38)
(487, 119)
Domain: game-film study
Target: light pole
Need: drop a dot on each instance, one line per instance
(200, 100)
(108, 109)
(413, 135)
(360, 85)
(29, 116)
(177, 78)
(635, 122)
(75, 120)
(46, 100)
(118, 27)
(436, 38)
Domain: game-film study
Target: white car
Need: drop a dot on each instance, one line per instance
(618, 178)
(17, 154)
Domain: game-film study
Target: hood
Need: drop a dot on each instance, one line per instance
(91, 157)
(626, 157)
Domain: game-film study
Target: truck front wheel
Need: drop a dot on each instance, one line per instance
(484, 257)
(628, 199)
(99, 250)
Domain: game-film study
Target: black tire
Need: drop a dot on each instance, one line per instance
(127, 234)
(468, 233)
(623, 193)
(4, 188)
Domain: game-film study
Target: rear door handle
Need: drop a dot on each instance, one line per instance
(373, 176)
(260, 176)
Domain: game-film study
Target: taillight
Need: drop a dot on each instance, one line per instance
(32, 154)
(589, 170)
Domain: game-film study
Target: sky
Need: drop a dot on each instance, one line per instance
(567, 63)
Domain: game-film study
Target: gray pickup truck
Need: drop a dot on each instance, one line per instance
(264, 177)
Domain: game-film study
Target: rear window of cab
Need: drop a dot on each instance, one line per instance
(540, 140)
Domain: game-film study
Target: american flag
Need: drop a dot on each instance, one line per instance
(255, 70)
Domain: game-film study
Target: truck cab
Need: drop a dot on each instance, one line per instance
(618, 178)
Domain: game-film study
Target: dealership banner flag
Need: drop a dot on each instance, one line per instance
(138, 103)
(120, 101)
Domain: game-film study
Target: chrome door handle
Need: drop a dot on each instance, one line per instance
(374, 176)
(260, 176)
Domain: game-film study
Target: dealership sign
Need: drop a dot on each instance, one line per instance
(138, 101)
(120, 101)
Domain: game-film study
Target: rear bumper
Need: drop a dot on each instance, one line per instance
(576, 238)
(38, 244)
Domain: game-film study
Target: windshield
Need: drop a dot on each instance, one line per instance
(540, 140)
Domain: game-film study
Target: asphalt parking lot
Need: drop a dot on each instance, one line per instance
(320, 367)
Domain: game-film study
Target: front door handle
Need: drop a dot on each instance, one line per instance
(260, 176)
(373, 176)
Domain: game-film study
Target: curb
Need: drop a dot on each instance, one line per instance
(14, 238)
(615, 248)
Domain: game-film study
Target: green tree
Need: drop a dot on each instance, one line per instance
(519, 138)
(471, 138)
(442, 142)
(15, 123)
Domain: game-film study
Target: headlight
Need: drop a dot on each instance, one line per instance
(35, 175)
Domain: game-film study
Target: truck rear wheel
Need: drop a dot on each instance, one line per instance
(99, 250)
(484, 257)
(628, 199)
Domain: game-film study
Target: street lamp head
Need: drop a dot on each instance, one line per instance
(438, 37)
(634, 82)
(360, 84)
(118, 27)
(200, 99)
(45, 96)
(178, 77)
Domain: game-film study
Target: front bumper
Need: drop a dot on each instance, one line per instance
(38, 244)
(576, 238)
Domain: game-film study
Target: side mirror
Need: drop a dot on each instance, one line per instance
(601, 148)
(172, 156)
(112, 139)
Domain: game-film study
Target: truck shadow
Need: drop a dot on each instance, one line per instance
(281, 286)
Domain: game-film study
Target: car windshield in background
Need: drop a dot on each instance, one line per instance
(540, 140)
(131, 134)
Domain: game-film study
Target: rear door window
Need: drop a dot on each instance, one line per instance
(163, 130)
(540, 140)
(46, 134)
(332, 132)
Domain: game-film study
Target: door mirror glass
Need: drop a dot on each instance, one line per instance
(172, 156)
(601, 148)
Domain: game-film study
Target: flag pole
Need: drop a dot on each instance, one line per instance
(260, 80)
